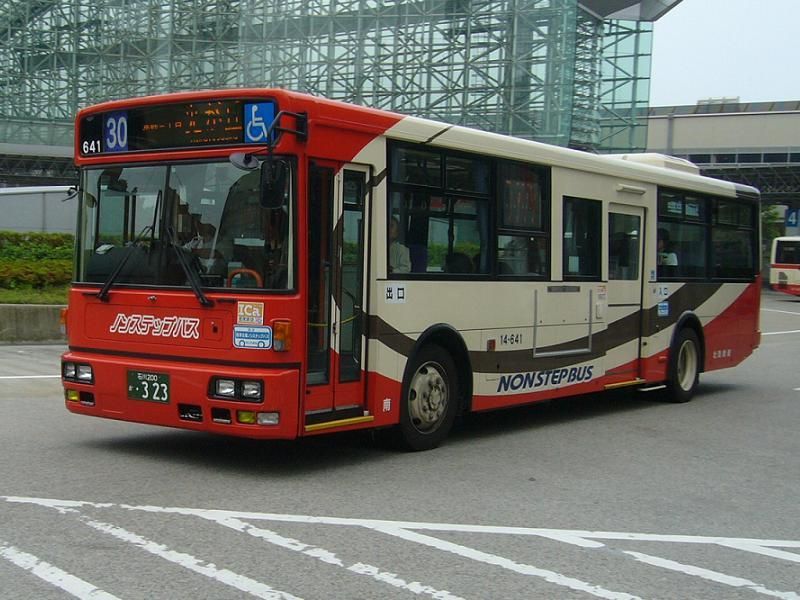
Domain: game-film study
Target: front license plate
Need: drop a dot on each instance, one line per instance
(153, 387)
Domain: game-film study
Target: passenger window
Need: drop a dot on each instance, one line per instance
(523, 240)
(582, 239)
(441, 235)
(624, 232)
(417, 167)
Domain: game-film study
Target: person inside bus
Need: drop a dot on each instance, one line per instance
(399, 260)
(666, 255)
(203, 245)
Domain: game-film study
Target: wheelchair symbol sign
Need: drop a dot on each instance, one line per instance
(258, 116)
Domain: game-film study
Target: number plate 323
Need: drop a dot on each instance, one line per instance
(153, 387)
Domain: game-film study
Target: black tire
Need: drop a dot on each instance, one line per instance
(429, 400)
(683, 373)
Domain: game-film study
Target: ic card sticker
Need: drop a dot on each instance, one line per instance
(250, 313)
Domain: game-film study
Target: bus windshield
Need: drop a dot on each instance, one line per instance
(787, 252)
(166, 225)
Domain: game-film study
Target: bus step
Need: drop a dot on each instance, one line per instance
(339, 423)
(622, 384)
(652, 388)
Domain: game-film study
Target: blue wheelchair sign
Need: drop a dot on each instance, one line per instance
(258, 116)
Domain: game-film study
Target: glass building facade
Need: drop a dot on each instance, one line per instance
(558, 71)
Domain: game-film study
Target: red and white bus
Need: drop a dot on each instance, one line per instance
(268, 264)
(784, 268)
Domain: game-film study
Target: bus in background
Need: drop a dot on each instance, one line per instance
(268, 264)
(784, 268)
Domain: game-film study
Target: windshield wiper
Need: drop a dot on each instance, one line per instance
(103, 293)
(191, 274)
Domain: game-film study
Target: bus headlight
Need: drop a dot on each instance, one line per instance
(80, 373)
(244, 390)
(84, 373)
(69, 370)
(225, 388)
(251, 390)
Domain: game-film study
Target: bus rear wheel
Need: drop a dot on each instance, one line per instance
(684, 366)
(430, 399)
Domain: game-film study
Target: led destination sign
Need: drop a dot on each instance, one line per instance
(183, 125)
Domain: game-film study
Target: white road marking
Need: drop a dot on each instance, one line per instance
(225, 576)
(785, 312)
(331, 559)
(187, 561)
(780, 332)
(75, 586)
(505, 563)
(30, 376)
(766, 551)
(411, 531)
(709, 575)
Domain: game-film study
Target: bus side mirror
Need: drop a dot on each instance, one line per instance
(274, 177)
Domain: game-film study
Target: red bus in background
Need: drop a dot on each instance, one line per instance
(784, 268)
(269, 264)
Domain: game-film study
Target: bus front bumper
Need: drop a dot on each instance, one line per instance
(252, 402)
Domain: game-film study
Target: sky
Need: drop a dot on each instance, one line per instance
(734, 48)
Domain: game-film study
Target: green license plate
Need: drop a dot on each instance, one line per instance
(153, 387)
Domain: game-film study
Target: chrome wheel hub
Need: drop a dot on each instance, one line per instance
(428, 397)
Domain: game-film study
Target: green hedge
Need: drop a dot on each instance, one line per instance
(35, 246)
(35, 260)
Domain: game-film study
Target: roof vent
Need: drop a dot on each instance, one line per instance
(661, 161)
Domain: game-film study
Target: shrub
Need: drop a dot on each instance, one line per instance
(36, 274)
(35, 246)
(35, 260)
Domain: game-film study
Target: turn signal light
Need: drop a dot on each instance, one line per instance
(63, 321)
(248, 417)
(281, 335)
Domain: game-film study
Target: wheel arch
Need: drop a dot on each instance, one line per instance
(450, 339)
(690, 320)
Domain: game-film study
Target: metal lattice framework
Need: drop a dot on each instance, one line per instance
(533, 68)
(625, 88)
(778, 183)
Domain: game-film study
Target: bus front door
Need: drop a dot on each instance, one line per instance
(337, 252)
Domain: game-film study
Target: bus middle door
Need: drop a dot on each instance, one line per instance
(625, 287)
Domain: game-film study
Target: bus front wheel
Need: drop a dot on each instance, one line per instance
(684, 366)
(430, 399)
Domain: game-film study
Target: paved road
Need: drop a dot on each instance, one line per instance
(618, 496)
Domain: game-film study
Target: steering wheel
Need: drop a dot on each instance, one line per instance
(254, 274)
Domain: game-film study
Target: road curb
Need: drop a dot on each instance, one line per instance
(30, 323)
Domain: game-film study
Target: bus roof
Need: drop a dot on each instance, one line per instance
(636, 168)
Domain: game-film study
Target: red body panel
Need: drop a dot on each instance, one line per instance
(734, 334)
